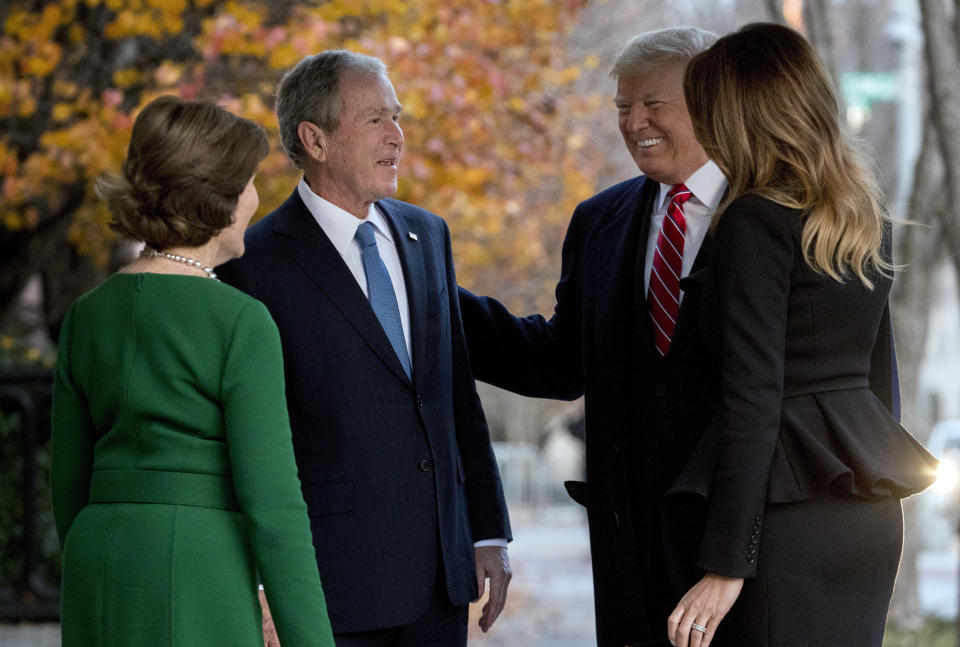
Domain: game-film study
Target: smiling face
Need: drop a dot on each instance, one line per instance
(361, 158)
(655, 125)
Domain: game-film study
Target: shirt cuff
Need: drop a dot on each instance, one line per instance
(502, 543)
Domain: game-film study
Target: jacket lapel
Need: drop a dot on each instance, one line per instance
(698, 275)
(619, 242)
(308, 246)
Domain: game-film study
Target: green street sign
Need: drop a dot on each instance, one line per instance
(860, 88)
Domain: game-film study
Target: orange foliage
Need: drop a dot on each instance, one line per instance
(494, 139)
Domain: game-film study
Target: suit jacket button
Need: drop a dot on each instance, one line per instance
(419, 401)
(661, 390)
(424, 465)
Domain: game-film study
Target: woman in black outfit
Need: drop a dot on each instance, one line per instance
(806, 464)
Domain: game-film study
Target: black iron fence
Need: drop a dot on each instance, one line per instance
(29, 556)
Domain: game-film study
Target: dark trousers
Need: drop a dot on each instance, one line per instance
(441, 625)
(825, 573)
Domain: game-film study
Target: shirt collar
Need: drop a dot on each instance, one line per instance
(339, 225)
(707, 185)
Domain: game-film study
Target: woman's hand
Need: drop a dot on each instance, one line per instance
(704, 605)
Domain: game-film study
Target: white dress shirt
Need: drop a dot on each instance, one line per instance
(340, 227)
(706, 185)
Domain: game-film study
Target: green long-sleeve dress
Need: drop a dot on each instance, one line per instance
(173, 477)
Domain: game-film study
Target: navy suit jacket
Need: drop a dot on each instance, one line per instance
(398, 474)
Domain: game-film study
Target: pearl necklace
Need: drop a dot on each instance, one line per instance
(154, 253)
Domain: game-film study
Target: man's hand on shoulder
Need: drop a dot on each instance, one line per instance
(493, 562)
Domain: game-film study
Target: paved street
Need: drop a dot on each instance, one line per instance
(551, 595)
(550, 602)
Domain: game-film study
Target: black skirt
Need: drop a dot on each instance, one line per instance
(826, 569)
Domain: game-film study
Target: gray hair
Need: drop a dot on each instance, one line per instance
(660, 47)
(310, 91)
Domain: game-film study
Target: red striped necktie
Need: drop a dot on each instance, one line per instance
(663, 297)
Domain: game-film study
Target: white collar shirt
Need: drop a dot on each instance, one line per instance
(706, 185)
(340, 227)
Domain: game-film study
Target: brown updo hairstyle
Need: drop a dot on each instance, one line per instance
(187, 164)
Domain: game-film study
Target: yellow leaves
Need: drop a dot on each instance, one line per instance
(167, 74)
(236, 30)
(65, 89)
(37, 27)
(89, 232)
(26, 107)
(12, 220)
(169, 6)
(128, 77)
(564, 76)
(76, 34)
(248, 15)
(473, 179)
(131, 23)
(8, 161)
(42, 63)
(28, 41)
(517, 104)
(152, 18)
(6, 99)
(283, 56)
(62, 112)
(491, 107)
(414, 106)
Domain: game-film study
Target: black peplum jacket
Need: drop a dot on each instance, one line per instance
(809, 390)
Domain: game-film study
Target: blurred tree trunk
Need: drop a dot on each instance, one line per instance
(818, 23)
(943, 74)
(775, 11)
(918, 247)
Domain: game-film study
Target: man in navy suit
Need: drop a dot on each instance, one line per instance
(394, 454)
(648, 395)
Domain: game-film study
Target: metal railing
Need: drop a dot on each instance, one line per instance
(28, 596)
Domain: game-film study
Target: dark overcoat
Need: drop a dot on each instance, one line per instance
(644, 414)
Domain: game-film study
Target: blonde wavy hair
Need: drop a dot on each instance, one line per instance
(764, 109)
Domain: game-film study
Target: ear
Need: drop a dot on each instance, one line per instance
(314, 141)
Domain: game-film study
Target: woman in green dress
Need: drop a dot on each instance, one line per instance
(174, 484)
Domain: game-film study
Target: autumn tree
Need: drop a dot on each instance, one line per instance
(490, 117)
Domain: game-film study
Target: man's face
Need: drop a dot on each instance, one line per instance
(364, 152)
(656, 126)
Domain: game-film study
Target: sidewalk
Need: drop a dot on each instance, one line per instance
(27, 635)
(550, 603)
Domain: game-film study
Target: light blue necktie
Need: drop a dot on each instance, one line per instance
(383, 299)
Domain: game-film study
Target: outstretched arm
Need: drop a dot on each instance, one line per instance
(531, 355)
